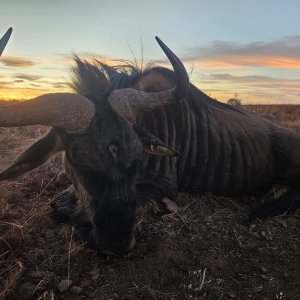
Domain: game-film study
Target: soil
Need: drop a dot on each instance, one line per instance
(206, 250)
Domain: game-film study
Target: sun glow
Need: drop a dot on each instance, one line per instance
(220, 78)
(26, 93)
(254, 61)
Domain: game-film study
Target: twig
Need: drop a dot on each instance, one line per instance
(69, 254)
(142, 56)
(134, 57)
(190, 204)
(3, 254)
(52, 295)
(19, 226)
(42, 190)
(203, 279)
(153, 292)
(12, 279)
(181, 218)
(7, 244)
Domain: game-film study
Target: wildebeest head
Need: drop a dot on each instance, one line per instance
(104, 147)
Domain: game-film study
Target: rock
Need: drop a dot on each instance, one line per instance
(170, 205)
(76, 289)
(258, 289)
(64, 285)
(49, 234)
(264, 277)
(94, 274)
(285, 275)
(95, 277)
(264, 269)
(267, 235)
(85, 283)
(92, 293)
(232, 295)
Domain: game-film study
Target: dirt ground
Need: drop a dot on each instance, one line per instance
(207, 250)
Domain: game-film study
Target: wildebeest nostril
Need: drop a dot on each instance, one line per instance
(110, 248)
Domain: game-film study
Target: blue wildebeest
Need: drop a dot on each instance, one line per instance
(124, 130)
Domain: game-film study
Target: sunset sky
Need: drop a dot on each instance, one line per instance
(244, 49)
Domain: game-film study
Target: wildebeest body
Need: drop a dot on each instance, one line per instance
(126, 129)
(224, 150)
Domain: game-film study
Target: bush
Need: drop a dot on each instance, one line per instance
(234, 101)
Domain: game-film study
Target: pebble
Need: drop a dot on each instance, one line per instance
(95, 277)
(85, 283)
(258, 289)
(49, 234)
(170, 205)
(264, 269)
(76, 289)
(94, 274)
(64, 285)
(232, 295)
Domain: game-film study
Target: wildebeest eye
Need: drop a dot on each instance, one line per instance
(113, 149)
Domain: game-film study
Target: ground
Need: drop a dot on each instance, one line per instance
(207, 250)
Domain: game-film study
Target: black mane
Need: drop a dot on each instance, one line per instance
(97, 79)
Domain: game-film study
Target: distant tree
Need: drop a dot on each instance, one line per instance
(234, 101)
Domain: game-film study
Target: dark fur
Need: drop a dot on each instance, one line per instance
(224, 150)
(107, 177)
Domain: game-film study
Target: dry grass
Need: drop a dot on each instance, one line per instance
(288, 114)
(204, 251)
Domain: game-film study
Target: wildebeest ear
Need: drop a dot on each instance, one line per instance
(34, 156)
(152, 144)
(154, 81)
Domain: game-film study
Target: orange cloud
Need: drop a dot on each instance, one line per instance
(221, 86)
(281, 53)
(255, 61)
(18, 62)
(7, 93)
(27, 77)
(251, 88)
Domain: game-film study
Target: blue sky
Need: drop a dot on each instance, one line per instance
(248, 48)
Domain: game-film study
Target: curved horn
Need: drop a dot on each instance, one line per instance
(71, 112)
(128, 102)
(182, 78)
(5, 39)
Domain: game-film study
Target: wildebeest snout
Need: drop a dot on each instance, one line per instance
(97, 242)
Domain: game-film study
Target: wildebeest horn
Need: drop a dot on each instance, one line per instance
(5, 39)
(128, 102)
(71, 112)
(182, 77)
